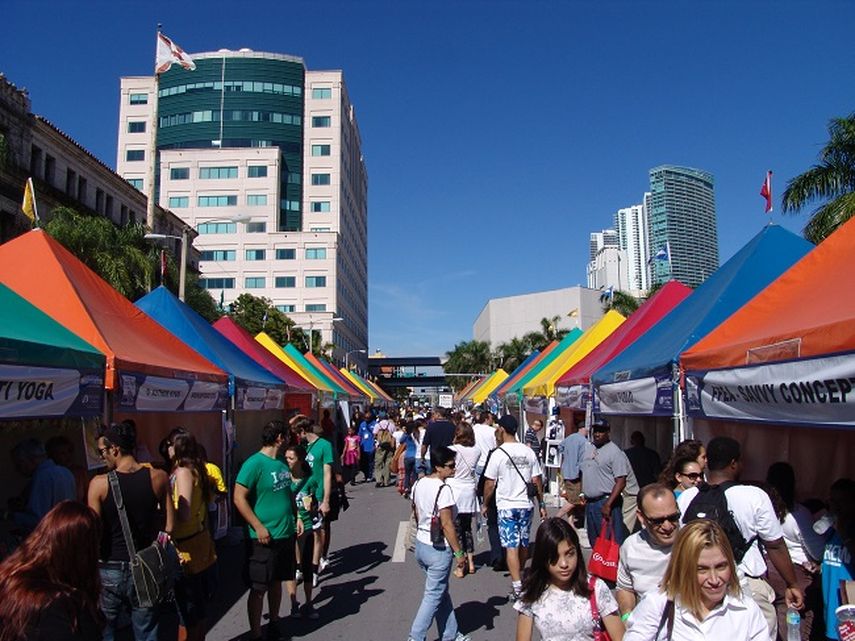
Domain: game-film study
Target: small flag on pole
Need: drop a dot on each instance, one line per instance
(664, 253)
(573, 313)
(162, 266)
(169, 52)
(28, 205)
(766, 191)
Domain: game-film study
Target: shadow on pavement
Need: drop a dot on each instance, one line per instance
(477, 615)
(358, 559)
(334, 602)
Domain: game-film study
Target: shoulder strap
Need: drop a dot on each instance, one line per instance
(667, 617)
(436, 500)
(113, 478)
(592, 599)
(514, 464)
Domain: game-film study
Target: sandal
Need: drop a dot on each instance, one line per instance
(459, 573)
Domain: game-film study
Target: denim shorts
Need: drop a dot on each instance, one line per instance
(514, 527)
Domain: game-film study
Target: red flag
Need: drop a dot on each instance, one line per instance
(162, 265)
(169, 52)
(766, 191)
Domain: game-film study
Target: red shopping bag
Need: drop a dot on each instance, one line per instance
(604, 556)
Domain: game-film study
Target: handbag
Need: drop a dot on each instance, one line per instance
(600, 632)
(154, 568)
(437, 536)
(605, 555)
(530, 488)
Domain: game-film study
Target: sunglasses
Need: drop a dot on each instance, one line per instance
(671, 518)
(694, 476)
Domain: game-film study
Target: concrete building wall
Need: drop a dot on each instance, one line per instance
(502, 319)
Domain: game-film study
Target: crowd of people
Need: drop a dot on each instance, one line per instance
(702, 554)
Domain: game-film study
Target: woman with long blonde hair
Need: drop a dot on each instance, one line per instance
(700, 597)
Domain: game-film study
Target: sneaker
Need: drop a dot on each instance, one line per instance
(314, 580)
(298, 576)
(462, 637)
(323, 564)
(514, 595)
(295, 610)
(310, 613)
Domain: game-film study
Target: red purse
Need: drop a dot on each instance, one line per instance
(600, 633)
(605, 555)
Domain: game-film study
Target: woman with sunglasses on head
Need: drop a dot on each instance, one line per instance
(436, 547)
(700, 597)
(687, 473)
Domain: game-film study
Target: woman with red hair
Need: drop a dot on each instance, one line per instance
(50, 584)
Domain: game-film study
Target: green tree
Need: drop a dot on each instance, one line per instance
(511, 354)
(467, 357)
(623, 303)
(255, 314)
(830, 181)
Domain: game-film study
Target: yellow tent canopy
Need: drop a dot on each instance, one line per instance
(353, 378)
(496, 378)
(270, 345)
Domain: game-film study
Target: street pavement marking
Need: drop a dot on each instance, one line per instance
(399, 554)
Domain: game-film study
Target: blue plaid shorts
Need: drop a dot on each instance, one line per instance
(514, 526)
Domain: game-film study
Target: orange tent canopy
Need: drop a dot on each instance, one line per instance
(41, 270)
(804, 313)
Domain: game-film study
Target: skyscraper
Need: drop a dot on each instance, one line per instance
(682, 216)
(631, 226)
(263, 158)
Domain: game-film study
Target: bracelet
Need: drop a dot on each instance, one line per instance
(624, 617)
(459, 554)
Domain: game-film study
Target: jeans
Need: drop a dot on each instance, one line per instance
(436, 602)
(367, 465)
(410, 475)
(594, 520)
(117, 593)
(497, 553)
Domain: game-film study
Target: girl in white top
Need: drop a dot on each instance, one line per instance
(558, 597)
(700, 597)
(464, 484)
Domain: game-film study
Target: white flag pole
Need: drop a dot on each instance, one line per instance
(152, 144)
(35, 203)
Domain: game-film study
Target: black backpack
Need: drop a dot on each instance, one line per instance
(711, 503)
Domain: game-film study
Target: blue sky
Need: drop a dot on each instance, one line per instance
(497, 135)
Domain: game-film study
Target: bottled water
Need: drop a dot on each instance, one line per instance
(479, 529)
(793, 624)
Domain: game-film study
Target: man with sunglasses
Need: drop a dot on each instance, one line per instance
(645, 554)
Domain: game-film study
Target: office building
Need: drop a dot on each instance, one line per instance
(682, 216)
(600, 239)
(263, 158)
(610, 269)
(631, 227)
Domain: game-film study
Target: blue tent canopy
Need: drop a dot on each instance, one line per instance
(253, 386)
(638, 380)
(494, 394)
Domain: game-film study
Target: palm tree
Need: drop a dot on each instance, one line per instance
(468, 357)
(511, 354)
(621, 302)
(831, 180)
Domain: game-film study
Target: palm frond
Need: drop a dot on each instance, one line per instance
(825, 219)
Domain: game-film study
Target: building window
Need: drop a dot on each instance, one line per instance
(179, 201)
(256, 171)
(50, 169)
(217, 228)
(35, 161)
(99, 200)
(123, 215)
(319, 229)
(316, 253)
(254, 282)
(70, 182)
(321, 93)
(217, 201)
(218, 172)
(136, 127)
(286, 254)
(321, 206)
(290, 205)
(316, 307)
(255, 254)
(179, 173)
(139, 98)
(233, 86)
(287, 309)
(133, 155)
(294, 178)
(316, 281)
(320, 179)
(321, 121)
(82, 193)
(256, 228)
(256, 199)
(108, 207)
(136, 183)
(218, 255)
(286, 281)
(217, 283)
(320, 150)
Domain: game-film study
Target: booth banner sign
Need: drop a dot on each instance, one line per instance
(35, 392)
(816, 391)
(651, 396)
(536, 404)
(574, 397)
(142, 393)
(258, 397)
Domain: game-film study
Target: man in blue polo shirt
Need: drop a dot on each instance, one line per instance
(366, 444)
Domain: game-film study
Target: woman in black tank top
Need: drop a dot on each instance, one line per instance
(144, 517)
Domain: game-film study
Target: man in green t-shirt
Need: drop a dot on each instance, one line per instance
(319, 455)
(264, 499)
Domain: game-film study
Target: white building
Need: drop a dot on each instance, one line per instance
(631, 224)
(610, 268)
(263, 158)
(502, 319)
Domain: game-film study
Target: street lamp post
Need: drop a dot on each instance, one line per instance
(311, 333)
(347, 357)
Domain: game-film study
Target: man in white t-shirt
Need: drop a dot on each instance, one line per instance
(485, 439)
(508, 473)
(645, 554)
(755, 517)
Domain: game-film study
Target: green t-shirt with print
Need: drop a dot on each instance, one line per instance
(301, 491)
(318, 454)
(269, 483)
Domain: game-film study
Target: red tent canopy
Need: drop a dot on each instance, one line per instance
(335, 375)
(252, 348)
(44, 272)
(645, 317)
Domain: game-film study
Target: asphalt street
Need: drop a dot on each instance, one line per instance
(365, 595)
